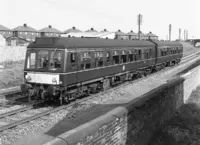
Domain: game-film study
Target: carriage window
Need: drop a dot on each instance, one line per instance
(55, 60)
(72, 57)
(116, 58)
(162, 52)
(123, 57)
(107, 56)
(42, 61)
(87, 65)
(147, 55)
(130, 56)
(85, 56)
(139, 54)
(100, 63)
(135, 58)
(31, 60)
(98, 54)
(150, 53)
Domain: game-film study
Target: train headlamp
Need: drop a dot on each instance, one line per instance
(28, 78)
(54, 80)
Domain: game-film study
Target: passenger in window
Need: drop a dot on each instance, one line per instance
(45, 62)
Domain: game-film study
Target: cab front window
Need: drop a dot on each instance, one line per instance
(55, 60)
(31, 60)
(42, 60)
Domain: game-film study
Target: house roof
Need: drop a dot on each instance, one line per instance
(24, 28)
(151, 34)
(49, 29)
(72, 30)
(132, 33)
(142, 34)
(103, 34)
(91, 30)
(3, 28)
(119, 32)
(104, 30)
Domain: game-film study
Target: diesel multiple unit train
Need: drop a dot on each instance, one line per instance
(63, 68)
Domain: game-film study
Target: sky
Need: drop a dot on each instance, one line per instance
(110, 14)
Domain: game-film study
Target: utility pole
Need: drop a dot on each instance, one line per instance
(170, 28)
(179, 34)
(187, 35)
(184, 34)
(139, 23)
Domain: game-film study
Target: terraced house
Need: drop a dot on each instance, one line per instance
(22, 35)
(49, 32)
(5, 32)
(72, 30)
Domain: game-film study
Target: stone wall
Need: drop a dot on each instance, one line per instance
(12, 53)
(131, 124)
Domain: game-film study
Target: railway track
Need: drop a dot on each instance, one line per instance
(45, 113)
(27, 115)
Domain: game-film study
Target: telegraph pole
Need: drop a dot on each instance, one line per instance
(179, 34)
(184, 34)
(170, 28)
(187, 35)
(139, 23)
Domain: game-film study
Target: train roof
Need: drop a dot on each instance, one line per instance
(167, 43)
(71, 42)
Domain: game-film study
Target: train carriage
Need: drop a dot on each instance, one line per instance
(168, 53)
(67, 68)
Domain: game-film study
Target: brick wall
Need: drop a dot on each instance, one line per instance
(131, 124)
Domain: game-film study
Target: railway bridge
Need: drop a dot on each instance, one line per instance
(193, 41)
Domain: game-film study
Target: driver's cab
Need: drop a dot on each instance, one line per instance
(44, 59)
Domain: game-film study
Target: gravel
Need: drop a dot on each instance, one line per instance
(4, 110)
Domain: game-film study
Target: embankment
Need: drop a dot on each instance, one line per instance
(12, 53)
